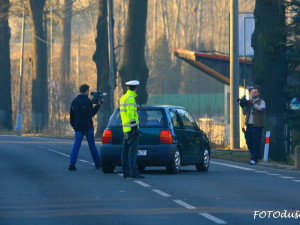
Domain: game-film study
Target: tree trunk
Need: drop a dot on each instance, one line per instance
(270, 68)
(134, 66)
(5, 73)
(39, 67)
(67, 86)
(101, 60)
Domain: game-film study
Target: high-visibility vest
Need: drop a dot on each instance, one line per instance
(128, 111)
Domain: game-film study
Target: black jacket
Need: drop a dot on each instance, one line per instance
(82, 112)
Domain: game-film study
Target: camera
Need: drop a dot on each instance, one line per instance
(99, 95)
(243, 101)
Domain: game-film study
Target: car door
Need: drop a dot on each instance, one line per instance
(191, 135)
(179, 134)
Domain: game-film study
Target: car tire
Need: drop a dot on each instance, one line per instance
(204, 165)
(107, 168)
(174, 165)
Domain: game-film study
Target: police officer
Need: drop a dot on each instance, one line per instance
(130, 123)
(81, 114)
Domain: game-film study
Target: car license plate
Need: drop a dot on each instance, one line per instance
(142, 152)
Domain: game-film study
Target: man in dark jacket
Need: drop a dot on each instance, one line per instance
(255, 121)
(81, 114)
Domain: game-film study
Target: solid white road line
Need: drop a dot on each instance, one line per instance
(284, 177)
(232, 166)
(81, 160)
(212, 218)
(296, 180)
(161, 193)
(185, 205)
(52, 150)
(260, 171)
(142, 183)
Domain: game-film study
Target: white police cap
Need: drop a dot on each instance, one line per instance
(132, 82)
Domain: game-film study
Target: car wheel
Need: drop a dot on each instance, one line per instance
(174, 165)
(141, 168)
(204, 165)
(107, 168)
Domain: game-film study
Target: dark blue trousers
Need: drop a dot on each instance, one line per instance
(129, 154)
(253, 137)
(77, 143)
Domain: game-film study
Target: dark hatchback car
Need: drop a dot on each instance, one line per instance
(169, 137)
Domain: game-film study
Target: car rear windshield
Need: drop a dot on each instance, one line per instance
(147, 118)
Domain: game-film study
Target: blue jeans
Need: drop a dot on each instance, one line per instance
(77, 143)
(129, 154)
(253, 137)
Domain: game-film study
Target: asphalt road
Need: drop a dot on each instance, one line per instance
(36, 188)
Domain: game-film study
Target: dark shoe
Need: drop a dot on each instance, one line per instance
(72, 167)
(138, 177)
(97, 166)
(126, 176)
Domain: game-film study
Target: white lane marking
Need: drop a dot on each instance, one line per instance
(260, 171)
(273, 174)
(81, 160)
(161, 193)
(120, 174)
(284, 177)
(52, 150)
(233, 166)
(296, 180)
(212, 218)
(142, 183)
(40, 147)
(182, 203)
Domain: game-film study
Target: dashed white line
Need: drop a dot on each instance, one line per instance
(232, 166)
(142, 183)
(184, 204)
(284, 177)
(161, 193)
(296, 180)
(212, 218)
(273, 174)
(40, 147)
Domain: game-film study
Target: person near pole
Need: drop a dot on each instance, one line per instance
(130, 124)
(81, 114)
(254, 113)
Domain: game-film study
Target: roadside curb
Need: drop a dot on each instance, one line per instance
(275, 165)
(260, 163)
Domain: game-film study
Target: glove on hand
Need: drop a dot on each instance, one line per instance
(135, 131)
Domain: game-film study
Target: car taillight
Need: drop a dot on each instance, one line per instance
(107, 137)
(165, 137)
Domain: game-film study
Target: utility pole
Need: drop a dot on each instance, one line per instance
(18, 126)
(234, 75)
(111, 51)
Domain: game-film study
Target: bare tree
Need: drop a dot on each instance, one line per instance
(39, 66)
(270, 68)
(101, 60)
(134, 66)
(5, 71)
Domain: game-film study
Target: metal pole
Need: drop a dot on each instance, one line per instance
(234, 76)
(111, 52)
(18, 126)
